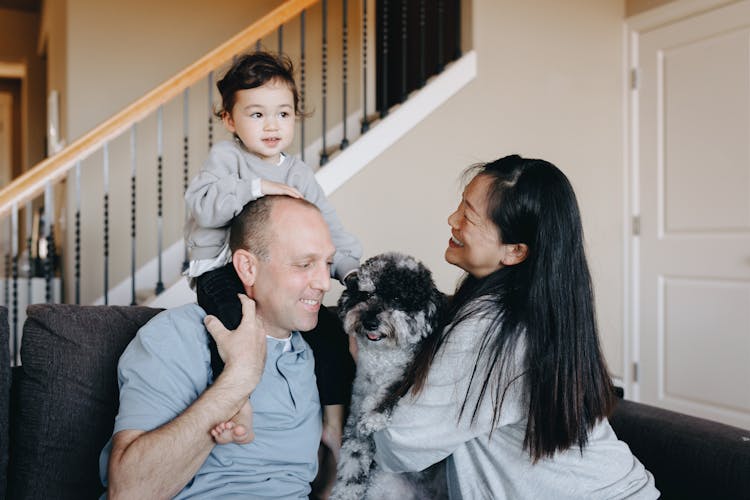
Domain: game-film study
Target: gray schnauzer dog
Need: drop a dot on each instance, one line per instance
(389, 308)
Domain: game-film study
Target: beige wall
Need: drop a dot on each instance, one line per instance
(117, 51)
(114, 53)
(19, 33)
(549, 85)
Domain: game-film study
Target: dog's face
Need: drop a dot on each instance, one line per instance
(393, 302)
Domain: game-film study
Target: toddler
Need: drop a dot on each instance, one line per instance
(259, 106)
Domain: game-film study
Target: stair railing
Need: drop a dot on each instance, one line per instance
(143, 156)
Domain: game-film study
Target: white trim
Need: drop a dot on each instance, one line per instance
(172, 259)
(399, 121)
(633, 201)
(337, 171)
(333, 137)
(635, 209)
(671, 12)
(12, 70)
(176, 295)
(627, 355)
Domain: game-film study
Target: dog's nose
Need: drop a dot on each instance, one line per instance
(370, 321)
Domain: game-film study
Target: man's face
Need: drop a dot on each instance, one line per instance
(290, 284)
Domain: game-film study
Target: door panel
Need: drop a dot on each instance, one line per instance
(694, 191)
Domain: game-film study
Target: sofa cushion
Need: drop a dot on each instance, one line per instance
(689, 457)
(67, 397)
(4, 394)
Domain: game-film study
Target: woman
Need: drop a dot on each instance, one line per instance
(515, 392)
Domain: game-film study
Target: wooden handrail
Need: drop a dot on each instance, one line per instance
(32, 182)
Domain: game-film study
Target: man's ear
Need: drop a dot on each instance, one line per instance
(515, 253)
(246, 265)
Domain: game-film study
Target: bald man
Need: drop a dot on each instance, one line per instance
(161, 444)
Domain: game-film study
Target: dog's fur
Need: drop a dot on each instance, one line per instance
(389, 308)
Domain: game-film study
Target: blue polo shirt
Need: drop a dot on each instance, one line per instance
(168, 365)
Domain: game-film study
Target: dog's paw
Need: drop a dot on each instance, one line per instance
(374, 422)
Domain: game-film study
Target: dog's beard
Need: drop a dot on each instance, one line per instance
(353, 323)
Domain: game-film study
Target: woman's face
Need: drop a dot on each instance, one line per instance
(475, 244)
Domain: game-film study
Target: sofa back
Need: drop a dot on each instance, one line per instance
(64, 400)
(689, 457)
(65, 397)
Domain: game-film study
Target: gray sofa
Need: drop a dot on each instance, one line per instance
(58, 412)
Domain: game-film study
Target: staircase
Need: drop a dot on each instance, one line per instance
(116, 238)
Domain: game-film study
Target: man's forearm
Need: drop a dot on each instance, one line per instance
(159, 463)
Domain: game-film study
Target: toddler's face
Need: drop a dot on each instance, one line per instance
(263, 119)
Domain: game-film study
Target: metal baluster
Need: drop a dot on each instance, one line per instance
(210, 109)
(365, 120)
(344, 50)
(29, 254)
(49, 232)
(105, 172)
(324, 153)
(133, 163)
(302, 61)
(422, 44)
(457, 25)
(14, 271)
(384, 64)
(77, 257)
(440, 35)
(159, 179)
(185, 160)
(404, 49)
(6, 277)
(281, 38)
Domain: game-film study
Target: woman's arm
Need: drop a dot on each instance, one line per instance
(426, 428)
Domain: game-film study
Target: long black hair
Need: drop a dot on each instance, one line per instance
(545, 302)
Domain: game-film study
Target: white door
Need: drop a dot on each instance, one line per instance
(694, 190)
(6, 138)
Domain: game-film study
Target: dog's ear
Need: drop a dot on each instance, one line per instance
(351, 281)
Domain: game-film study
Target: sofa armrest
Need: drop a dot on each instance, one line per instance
(689, 457)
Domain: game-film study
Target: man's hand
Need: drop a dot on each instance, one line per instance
(269, 187)
(160, 462)
(243, 350)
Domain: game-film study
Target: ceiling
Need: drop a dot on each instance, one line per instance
(26, 5)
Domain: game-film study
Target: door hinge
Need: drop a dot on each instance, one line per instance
(634, 79)
(636, 225)
(635, 372)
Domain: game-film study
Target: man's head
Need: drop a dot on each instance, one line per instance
(282, 251)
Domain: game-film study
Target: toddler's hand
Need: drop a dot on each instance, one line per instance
(269, 187)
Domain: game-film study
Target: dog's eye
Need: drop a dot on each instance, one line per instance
(363, 296)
